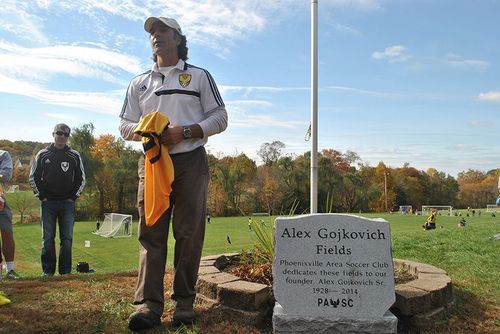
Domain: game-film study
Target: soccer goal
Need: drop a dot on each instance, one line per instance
(492, 208)
(405, 209)
(441, 209)
(115, 225)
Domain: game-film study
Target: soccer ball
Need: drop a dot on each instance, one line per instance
(498, 201)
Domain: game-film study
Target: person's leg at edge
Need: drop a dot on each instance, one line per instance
(8, 245)
(66, 218)
(190, 195)
(48, 222)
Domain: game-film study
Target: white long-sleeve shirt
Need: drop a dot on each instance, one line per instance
(186, 94)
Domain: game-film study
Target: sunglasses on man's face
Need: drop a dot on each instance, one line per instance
(60, 133)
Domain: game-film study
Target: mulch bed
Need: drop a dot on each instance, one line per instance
(262, 273)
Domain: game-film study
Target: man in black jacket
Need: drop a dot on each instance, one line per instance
(57, 178)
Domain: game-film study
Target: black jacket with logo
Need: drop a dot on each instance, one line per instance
(57, 174)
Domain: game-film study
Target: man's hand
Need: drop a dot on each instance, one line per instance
(172, 135)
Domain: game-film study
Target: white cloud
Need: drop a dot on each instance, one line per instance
(490, 96)
(458, 61)
(485, 124)
(258, 117)
(344, 28)
(60, 116)
(40, 63)
(395, 53)
(357, 4)
(17, 20)
(101, 102)
(212, 23)
(361, 91)
(106, 103)
(251, 103)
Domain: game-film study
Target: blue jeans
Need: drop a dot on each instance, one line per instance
(64, 213)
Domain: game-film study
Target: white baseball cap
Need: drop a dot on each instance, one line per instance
(148, 24)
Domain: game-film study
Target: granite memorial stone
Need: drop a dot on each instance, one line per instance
(333, 266)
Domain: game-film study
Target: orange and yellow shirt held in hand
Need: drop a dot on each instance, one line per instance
(158, 169)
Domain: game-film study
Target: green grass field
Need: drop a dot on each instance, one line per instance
(468, 255)
(107, 255)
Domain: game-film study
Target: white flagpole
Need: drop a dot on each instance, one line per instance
(314, 106)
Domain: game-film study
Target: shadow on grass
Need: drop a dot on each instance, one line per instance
(467, 315)
(95, 304)
(470, 314)
(102, 304)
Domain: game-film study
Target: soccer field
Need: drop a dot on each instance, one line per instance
(448, 247)
(107, 255)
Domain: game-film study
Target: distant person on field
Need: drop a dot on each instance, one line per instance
(8, 246)
(249, 223)
(462, 223)
(127, 225)
(430, 224)
(188, 96)
(208, 219)
(57, 178)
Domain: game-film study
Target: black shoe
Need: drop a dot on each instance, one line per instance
(184, 316)
(139, 321)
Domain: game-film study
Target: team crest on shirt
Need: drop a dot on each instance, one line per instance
(184, 79)
(65, 166)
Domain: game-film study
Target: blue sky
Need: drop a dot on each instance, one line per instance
(399, 81)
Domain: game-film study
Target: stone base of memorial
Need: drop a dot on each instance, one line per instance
(288, 324)
(333, 273)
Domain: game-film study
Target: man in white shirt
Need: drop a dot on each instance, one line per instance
(189, 97)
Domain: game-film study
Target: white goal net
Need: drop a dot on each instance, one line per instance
(444, 210)
(115, 225)
(404, 209)
(492, 208)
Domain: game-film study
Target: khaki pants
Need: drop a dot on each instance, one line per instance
(187, 209)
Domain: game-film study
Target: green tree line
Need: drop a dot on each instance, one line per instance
(238, 186)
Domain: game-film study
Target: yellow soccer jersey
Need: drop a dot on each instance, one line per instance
(159, 169)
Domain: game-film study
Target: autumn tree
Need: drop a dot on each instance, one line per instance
(383, 178)
(270, 188)
(116, 178)
(270, 153)
(231, 183)
(410, 186)
(477, 189)
(294, 173)
(442, 189)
